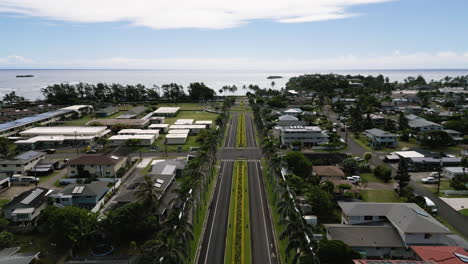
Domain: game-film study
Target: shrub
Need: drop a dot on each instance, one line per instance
(383, 172)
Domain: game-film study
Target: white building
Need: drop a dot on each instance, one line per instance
(379, 138)
(21, 163)
(307, 135)
(207, 123)
(143, 140)
(179, 131)
(163, 128)
(153, 132)
(451, 172)
(293, 112)
(184, 122)
(176, 139)
(167, 111)
(194, 129)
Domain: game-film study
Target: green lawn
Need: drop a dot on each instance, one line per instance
(413, 143)
(444, 185)
(370, 177)
(362, 142)
(380, 196)
(185, 106)
(39, 243)
(3, 202)
(464, 212)
(197, 115)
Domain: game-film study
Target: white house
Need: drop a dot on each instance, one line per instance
(194, 129)
(166, 111)
(379, 138)
(143, 140)
(307, 135)
(184, 122)
(163, 128)
(27, 206)
(207, 123)
(176, 139)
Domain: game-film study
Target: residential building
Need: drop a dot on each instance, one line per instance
(82, 195)
(27, 206)
(20, 164)
(328, 172)
(106, 112)
(157, 119)
(14, 256)
(456, 136)
(133, 113)
(176, 139)
(207, 123)
(441, 254)
(289, 120)
(153, 132)
(167, 111)
(306, 135)
(194, 129)
(381, 139)
(431, 163)
(99, 165)
(377, 120)
(452, 172)
(293, 112)
(385, 230)
(184, 122)
(162, 128)
(14, 127)
(419, 124)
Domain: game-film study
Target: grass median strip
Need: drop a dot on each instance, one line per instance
(241, 141)
(238, 235)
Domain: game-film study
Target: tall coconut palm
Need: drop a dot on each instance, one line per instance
(160, 251)
(148, 194)
(177, 226)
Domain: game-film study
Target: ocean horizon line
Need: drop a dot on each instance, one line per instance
(237, 70)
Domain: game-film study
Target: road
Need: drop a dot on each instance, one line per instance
(455, 219)
(231, 136)
(214, 239)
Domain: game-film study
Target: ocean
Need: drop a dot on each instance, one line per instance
(30, 88)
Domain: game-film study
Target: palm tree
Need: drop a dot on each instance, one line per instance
(148, 194)
(159, 251)
(177, 227)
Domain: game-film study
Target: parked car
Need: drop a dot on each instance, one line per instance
(91, 151)
(354, 179)
(434, 174)
(24, 180)
(49, 151)
(429, 180)
(430, 205)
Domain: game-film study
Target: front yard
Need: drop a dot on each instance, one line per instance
(380, 196)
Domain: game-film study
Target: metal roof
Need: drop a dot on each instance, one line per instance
(33, 119)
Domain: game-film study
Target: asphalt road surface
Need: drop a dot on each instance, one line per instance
(214, 239)
(231, 136)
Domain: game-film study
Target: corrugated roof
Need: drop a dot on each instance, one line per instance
(441, 254)
(90, 159)
(365, 236)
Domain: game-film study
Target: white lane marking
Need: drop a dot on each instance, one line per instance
(214, 215)
(263, 211)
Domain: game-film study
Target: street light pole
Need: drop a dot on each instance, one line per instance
(440, 175)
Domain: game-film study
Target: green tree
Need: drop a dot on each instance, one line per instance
(402, 176)
(12, 98)
(72, 226)
(349, 165)
(298, 164)
(199, 91)
(383, 172)
(7, 150)
(7, 239)
(435, 138)
(336, 252)
(402, 122)
(148, 194)
(159, 251)
(321, 201)
(367, 156)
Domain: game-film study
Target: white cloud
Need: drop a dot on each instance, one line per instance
(165, 14)
(394, 60)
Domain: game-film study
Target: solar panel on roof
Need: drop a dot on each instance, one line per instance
(157, 185)
(421, 212)
(33, 195)
(75, 190)
(462, 257)
(160, 181)
(80, 190)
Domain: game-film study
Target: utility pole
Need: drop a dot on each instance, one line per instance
(440, 175)
(76, 144)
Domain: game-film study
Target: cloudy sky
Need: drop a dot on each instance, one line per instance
(234, 34)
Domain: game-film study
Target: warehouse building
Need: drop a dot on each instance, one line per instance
(14, 127)
(207, 123)
(155, 133)
(106, 112)
(163, 128)
(194, 129)
(143, 140)
(184, 122)
(176, 139)
(167, 111)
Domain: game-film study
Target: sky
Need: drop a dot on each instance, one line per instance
(234, 34)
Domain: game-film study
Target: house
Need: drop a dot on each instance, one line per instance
(176, 139)
(132, 113)
(20, 164)
(167, 111)
(452, 172)
(441, 254)
(82, 195)
(45, 167)
(194, 129)
(293, 112)
(456, 136)
(385, 230)
(431, 163)
(27, 206)
(328, 172)
(98, 165)
(290, 120)
(306, 135)
(377, 120)
(162, 128)
(381, 139)
(419, 124)
(207, 123)
(152, 132)
(157, 120)
(14, 256)
(184, 122)
(106, 112)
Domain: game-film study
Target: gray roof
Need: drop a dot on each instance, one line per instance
(421, 122)
(453, 160)
(451, 131)
(408, 217)
(379, 133)
(32, 198)
(291, 123)
(11, 256)
(28, 155)
(95, 188)
(365, 236)
(110, 109)
(33, 119)
(287, 117)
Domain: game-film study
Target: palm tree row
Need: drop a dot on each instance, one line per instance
(297, 231)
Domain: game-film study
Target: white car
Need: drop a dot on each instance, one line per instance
(354, 179)
(434, 174)
(429, 180)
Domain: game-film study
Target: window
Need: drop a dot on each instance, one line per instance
(382, 217)
(427, 236)
(368, 217)
(4, 165)
(107, 173)
(17, 165)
